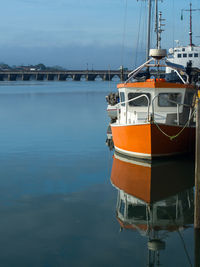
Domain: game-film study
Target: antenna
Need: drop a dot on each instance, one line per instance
(189, 10)
(177, 43)
(160, 30)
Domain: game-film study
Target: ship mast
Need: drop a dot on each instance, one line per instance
(156, 21)
(148, 30)
(190, 10)
(190, 32)
(159, 30)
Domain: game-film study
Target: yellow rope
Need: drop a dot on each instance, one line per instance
(172, 137)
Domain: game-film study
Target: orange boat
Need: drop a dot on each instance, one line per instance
(155, 117)
(151, 182)
(154, 199)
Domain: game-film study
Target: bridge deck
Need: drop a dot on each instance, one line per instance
(63, 75)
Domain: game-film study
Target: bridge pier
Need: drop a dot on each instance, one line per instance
(50, 77)
(76, 77)
(39, 77)
(25, 77)
(12, 77)
(90, 77)
(62, 77)
(107, 77)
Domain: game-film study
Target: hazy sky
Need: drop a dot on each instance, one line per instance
(81, 33)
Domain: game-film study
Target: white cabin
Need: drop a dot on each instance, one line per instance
(167, 105)
(182, 55)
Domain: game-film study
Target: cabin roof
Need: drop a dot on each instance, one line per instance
(154, 83)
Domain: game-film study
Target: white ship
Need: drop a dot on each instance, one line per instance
(185, 56)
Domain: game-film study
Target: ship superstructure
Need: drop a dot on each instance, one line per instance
(185, 56)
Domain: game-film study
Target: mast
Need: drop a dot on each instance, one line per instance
(190, 32)
(156, 21)
(148, 30)
(160, 30)
(190, 10)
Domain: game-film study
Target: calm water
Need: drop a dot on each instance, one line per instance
(58, 204)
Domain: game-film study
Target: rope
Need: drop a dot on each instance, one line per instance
(185, 248)
(172, 137)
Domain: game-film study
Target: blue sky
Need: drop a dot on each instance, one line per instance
(77, 33)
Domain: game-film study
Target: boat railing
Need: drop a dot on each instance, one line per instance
(177, 109)
(130, 100)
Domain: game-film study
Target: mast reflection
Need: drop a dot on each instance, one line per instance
(154, 199)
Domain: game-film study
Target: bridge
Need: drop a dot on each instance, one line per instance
(75, 75)
(64, 75)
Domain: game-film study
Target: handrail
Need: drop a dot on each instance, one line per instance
(153, 106)
(135, 98)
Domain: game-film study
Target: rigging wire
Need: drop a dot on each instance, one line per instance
(138, 37)
(141, 36)
(181, 237)
(144, 36)
(124, 32)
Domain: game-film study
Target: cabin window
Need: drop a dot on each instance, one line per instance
(139, 102)
(183, 49)
(190, 55)
(179, 55)
(184, 55)
(169, 99)
(167, 213)
(195, 54)
(122, 98)
(137, 212)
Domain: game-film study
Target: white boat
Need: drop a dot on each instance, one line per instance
(112, 100)
(112, 111)
(184, 55)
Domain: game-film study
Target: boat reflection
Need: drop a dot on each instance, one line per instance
(154, 199)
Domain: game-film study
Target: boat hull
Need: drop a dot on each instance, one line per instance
(148, 140)
(154, 181)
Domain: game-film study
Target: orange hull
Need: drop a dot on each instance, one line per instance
(147, 141)
(152, 183)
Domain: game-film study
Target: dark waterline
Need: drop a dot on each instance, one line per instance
(57, 202)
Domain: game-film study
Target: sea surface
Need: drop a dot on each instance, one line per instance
(63, 192)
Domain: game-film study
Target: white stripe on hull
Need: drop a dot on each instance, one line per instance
(143, 155)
